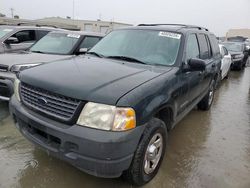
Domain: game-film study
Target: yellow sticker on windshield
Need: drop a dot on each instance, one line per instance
(170, 35)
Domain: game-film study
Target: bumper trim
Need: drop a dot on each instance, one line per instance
(2, 98)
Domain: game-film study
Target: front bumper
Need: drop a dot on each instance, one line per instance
(96, 152)
(236, 63)
(6, 85)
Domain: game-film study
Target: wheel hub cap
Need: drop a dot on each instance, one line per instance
(153, 153)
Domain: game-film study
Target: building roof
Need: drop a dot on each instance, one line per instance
(76, 21)
(238, 32)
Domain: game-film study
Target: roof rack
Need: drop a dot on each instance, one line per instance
(181, 25)
(37, 25)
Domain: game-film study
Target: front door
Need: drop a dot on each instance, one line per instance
(25, 39)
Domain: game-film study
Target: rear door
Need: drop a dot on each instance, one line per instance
(25, 39)
(192, 78)
(207, 55)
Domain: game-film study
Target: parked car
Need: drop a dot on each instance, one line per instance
(225, 62)
(16, 38)
(110, 113)
(236, 39)
(239, 54)
(55, 46)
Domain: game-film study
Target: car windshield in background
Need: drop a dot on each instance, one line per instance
(234, 47)
(149, 47)
(56, 43)
(4, 31)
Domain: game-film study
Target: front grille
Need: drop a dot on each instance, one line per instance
(49, 103)
(4, 68)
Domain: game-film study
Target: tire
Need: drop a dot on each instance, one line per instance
(138, 174)
(218, 80)
(207, 101)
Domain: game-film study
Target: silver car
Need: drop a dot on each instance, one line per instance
(15, 38)
(55, 46)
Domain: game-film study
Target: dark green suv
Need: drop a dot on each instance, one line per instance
(109, 113)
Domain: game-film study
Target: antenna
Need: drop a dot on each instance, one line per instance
(73, 9)
(12, 12)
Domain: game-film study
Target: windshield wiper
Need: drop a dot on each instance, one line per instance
(36, 51)
(130, 59)
(96, 54)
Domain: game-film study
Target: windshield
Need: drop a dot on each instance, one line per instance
(233, 47)
(149, 47)
(4, 31)
(56, 43)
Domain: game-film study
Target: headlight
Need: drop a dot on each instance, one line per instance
(16, 89)
(106, 117)
(239, 56)
(18, 68)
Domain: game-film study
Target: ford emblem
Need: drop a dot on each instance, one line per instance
(42, 101)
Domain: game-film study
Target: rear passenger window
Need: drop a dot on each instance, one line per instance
(25, 36)
(192, 47)
(214, 44)
(209, 47)
(204, 47)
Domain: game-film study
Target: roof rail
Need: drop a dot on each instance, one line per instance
(34, 24)
(181, 25)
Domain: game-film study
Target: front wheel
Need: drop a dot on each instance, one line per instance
(207, 101)
(149, 154)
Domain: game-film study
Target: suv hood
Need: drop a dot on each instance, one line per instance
(91, 79)
(10, 59)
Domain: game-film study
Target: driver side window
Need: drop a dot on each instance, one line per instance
(25, 36)
(192, 48)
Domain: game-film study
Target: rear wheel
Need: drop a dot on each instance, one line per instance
(207, 101)
(149, 154)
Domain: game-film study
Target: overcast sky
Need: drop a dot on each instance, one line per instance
(217, 15)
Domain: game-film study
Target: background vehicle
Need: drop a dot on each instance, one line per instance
(239, 54)
(55, 46)
(112, 113)
(16, 38)
(237, 39)
(225, 62)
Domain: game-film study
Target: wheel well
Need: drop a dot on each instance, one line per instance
(166, 115)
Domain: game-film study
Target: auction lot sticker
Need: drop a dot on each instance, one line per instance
(8, 30)
(73, 36)
(170, 35)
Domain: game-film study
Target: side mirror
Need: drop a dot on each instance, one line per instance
(197, 64)
(11, 40)
(82, 51)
